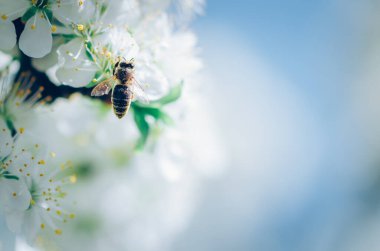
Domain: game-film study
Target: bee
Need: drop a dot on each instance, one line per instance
(124, 87)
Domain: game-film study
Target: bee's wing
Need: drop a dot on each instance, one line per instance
(103, 88)
(138, 92)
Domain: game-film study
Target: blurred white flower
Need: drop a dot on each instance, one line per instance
(34, 201)
(18, 106)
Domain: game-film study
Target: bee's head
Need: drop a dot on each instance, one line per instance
(124, 64)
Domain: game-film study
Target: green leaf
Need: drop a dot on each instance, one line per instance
(89, 50)
(153, 109)
(29, 13)
(11, 126)
(156, 113)
(10, 177)
(49, 15)
(143, 127)
(66, 37)
(164, 117)
(173, 95)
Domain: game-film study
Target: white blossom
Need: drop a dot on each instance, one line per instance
(127, 197)
(34, 201)
(36, 39)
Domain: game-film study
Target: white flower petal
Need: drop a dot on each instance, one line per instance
(123, 44)
(7, 35)
(23, 158)
(74, 12)
(12, 10)
(6, 140)
(36, 40)
(46, 62)
(152, 80)
(76, 77)
(72, 54)
(5, 59)
(121, 11)
(15, 195)
(14, 220)
(31, 224)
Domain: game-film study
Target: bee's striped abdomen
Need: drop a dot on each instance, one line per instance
(121, 100)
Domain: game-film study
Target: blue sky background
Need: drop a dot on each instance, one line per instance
(281, 91)
(309, 42)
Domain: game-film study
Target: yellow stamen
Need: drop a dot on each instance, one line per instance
(73, 178)
(41, 162)
(22, 130)
(80, 27)
(4, 17)
(33, 26)
(58, 231)
(53, 28)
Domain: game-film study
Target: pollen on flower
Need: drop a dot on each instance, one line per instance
(80, 27)
(41, 162)
(4, 17)
(58, 231)
(33, 26)
(42, 226)
(22, 130)
(73, 178)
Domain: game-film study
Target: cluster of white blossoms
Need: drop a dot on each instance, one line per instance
(32, 182)
(72, 175)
